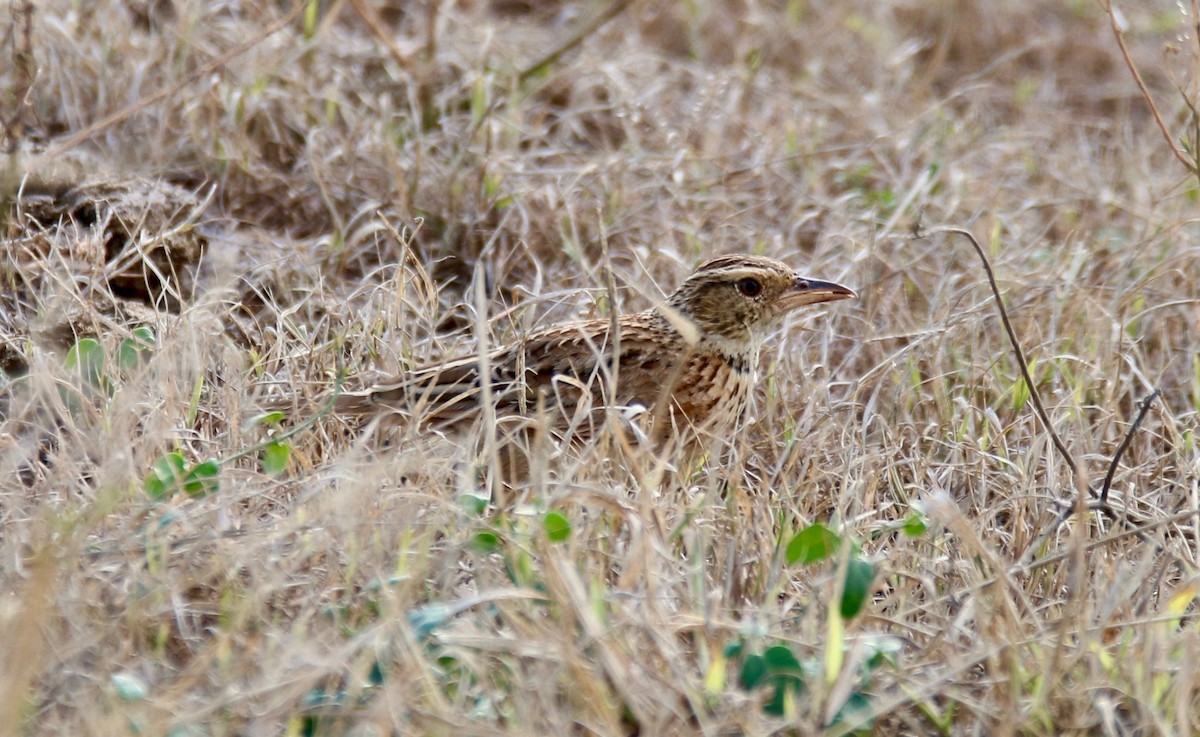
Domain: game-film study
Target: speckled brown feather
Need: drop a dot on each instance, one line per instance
(558, 362)
(696, 356)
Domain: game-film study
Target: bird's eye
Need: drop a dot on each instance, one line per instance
(749, 286)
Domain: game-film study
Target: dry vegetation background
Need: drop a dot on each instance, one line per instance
(208, 203)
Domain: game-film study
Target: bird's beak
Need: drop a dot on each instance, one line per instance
(810, 292)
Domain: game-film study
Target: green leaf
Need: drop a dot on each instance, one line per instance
(754, 670)
(473, 504)
(857, 713)
(275, 458)
(266, 418)
(884, 651)
(786, 675)
(168, 475)
(201, 480)
(87, 357)
(778, 669)
(132, 350)
(859, 576)
(485, 542)
(128, 355)
(781, 658)
(557, 526)
(1021, 391)
(520, 569)
(784, 685)
(813, 543)
(164, 477)
(915, 525)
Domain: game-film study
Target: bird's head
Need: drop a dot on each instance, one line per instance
(739, 299)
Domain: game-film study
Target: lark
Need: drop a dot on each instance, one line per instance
(689, 363)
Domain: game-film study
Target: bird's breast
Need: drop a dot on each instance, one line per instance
(712, 391)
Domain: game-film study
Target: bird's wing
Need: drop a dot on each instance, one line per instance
(434, 390)
(448, 390)
(559, 364)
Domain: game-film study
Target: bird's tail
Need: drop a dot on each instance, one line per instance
(346, 403)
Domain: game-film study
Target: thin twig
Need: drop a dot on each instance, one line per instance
(1132, 526)
(1034, 397)
(1137, 77)
(1143, 408)
(1101, 504)
(612, 11)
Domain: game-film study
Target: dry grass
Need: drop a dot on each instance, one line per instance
(278, 206)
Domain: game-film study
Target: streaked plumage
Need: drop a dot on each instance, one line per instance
(689, 362)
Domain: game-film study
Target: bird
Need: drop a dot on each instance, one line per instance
(688, 363)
